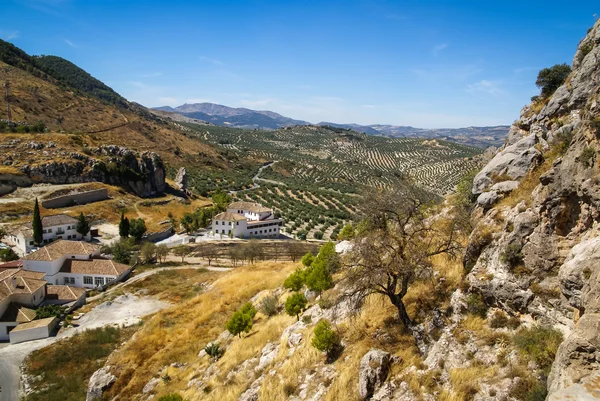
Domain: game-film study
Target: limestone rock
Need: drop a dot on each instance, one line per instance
(374, 368)
(514, 161)
(505, 186)
(181, 179)
(487, 199)
(100, 381)
(268, 354)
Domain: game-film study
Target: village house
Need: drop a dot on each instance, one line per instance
(75, 263)
(55, 227)
(21, 292)
(247, 220)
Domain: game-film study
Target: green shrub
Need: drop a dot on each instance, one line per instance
(325, 339)
(295, 281)
(476, 305)
(587, 156)
(550, 79)
(584, 50)
(295, 304)
(269, 305)
(239, 323)
(248, 309)
(512, 254)
(49, 311)
(538, 344)
(214, 350)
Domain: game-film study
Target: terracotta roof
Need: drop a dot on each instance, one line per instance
(55, 220)
(34, 324)
(60, 248)
(249, 206)
(96, 266)
(63, 293)
(18, 313)
(229, 216)
(12, 265)
(18, 281)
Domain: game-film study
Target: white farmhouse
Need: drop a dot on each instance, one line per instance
(75, 263)
(247, 220)
(55, 227)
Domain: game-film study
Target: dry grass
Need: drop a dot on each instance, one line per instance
(465, 380)
(179, 333)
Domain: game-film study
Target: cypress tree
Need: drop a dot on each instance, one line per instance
(124, 226)
(36, 224)
(83, 227)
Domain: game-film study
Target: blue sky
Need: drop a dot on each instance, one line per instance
(420, 63)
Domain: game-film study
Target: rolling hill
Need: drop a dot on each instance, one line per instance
(217, 114)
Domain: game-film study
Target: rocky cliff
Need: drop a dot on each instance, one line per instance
(140, 173)
(535, 249)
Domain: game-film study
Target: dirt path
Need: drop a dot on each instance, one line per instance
(124, 310)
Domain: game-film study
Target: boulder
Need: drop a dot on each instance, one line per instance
(100, 381)
(181, 180)
(515, 161)
(374, 369)
(505, 186)
(268, 354)
(487, 199)
(577, 269)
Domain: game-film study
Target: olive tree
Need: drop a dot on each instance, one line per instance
(395, 247)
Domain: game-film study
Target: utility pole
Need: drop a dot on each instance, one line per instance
(7, 87)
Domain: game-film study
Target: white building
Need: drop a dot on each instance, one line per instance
(21, 292)
(55, 227)
(75, 263)
(247, 220)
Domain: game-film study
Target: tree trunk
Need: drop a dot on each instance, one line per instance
(402, 313)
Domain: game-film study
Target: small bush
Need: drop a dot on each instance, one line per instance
(584, 50)
(512, 255)
(269, 306)
(295, 281)
(295, 304)
(214, 350)
(325, 339)
(538, 344)
(587, 156)
(476, 305)
(498, 320)
(550, 79)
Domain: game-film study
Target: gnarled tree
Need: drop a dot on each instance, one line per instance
(393, 247)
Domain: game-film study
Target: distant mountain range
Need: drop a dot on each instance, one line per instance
(260, 119)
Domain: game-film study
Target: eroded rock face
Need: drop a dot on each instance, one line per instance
(542, 258)
(515, 161)
(374, 369)
(100, 381)
(142, 174)
(181, 179)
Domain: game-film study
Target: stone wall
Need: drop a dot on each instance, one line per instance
(78, 199)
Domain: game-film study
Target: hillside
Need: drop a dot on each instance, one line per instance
(233, 117)
(487, 299)
(82, 114)
(217, 114)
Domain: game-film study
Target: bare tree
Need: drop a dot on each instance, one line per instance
(394, 246)
(295, 249)
(208, 252)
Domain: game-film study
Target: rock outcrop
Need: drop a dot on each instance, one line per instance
(181, 180)
(143, 174)
(374, 369)
(537, 254)
(100, 381)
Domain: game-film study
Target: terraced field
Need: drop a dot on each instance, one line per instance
(319, 172)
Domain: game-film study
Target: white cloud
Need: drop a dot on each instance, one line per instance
(438, 48)
(152, 75)
(73, 45)
(257, 103)
(168, 101)
(209, 60)
(200, 100)
(486, 87)
(12, 35)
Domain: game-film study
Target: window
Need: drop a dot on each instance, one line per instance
(88, 280)
(69, 280)
(68, 227)
(237, 223)
(31, 243)
(98, 281)
(49, 230)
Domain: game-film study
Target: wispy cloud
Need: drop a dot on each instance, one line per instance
(454, 73)
(168, 101)
(368, 106)
(199, 100)
(524, 69)
(9, 35)
(139, 84)
(51, 7)
(209, 60)
(73, 45)
(151, 75)
(486, 87)
(438, 48)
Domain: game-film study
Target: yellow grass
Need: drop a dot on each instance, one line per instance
(179, 333)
